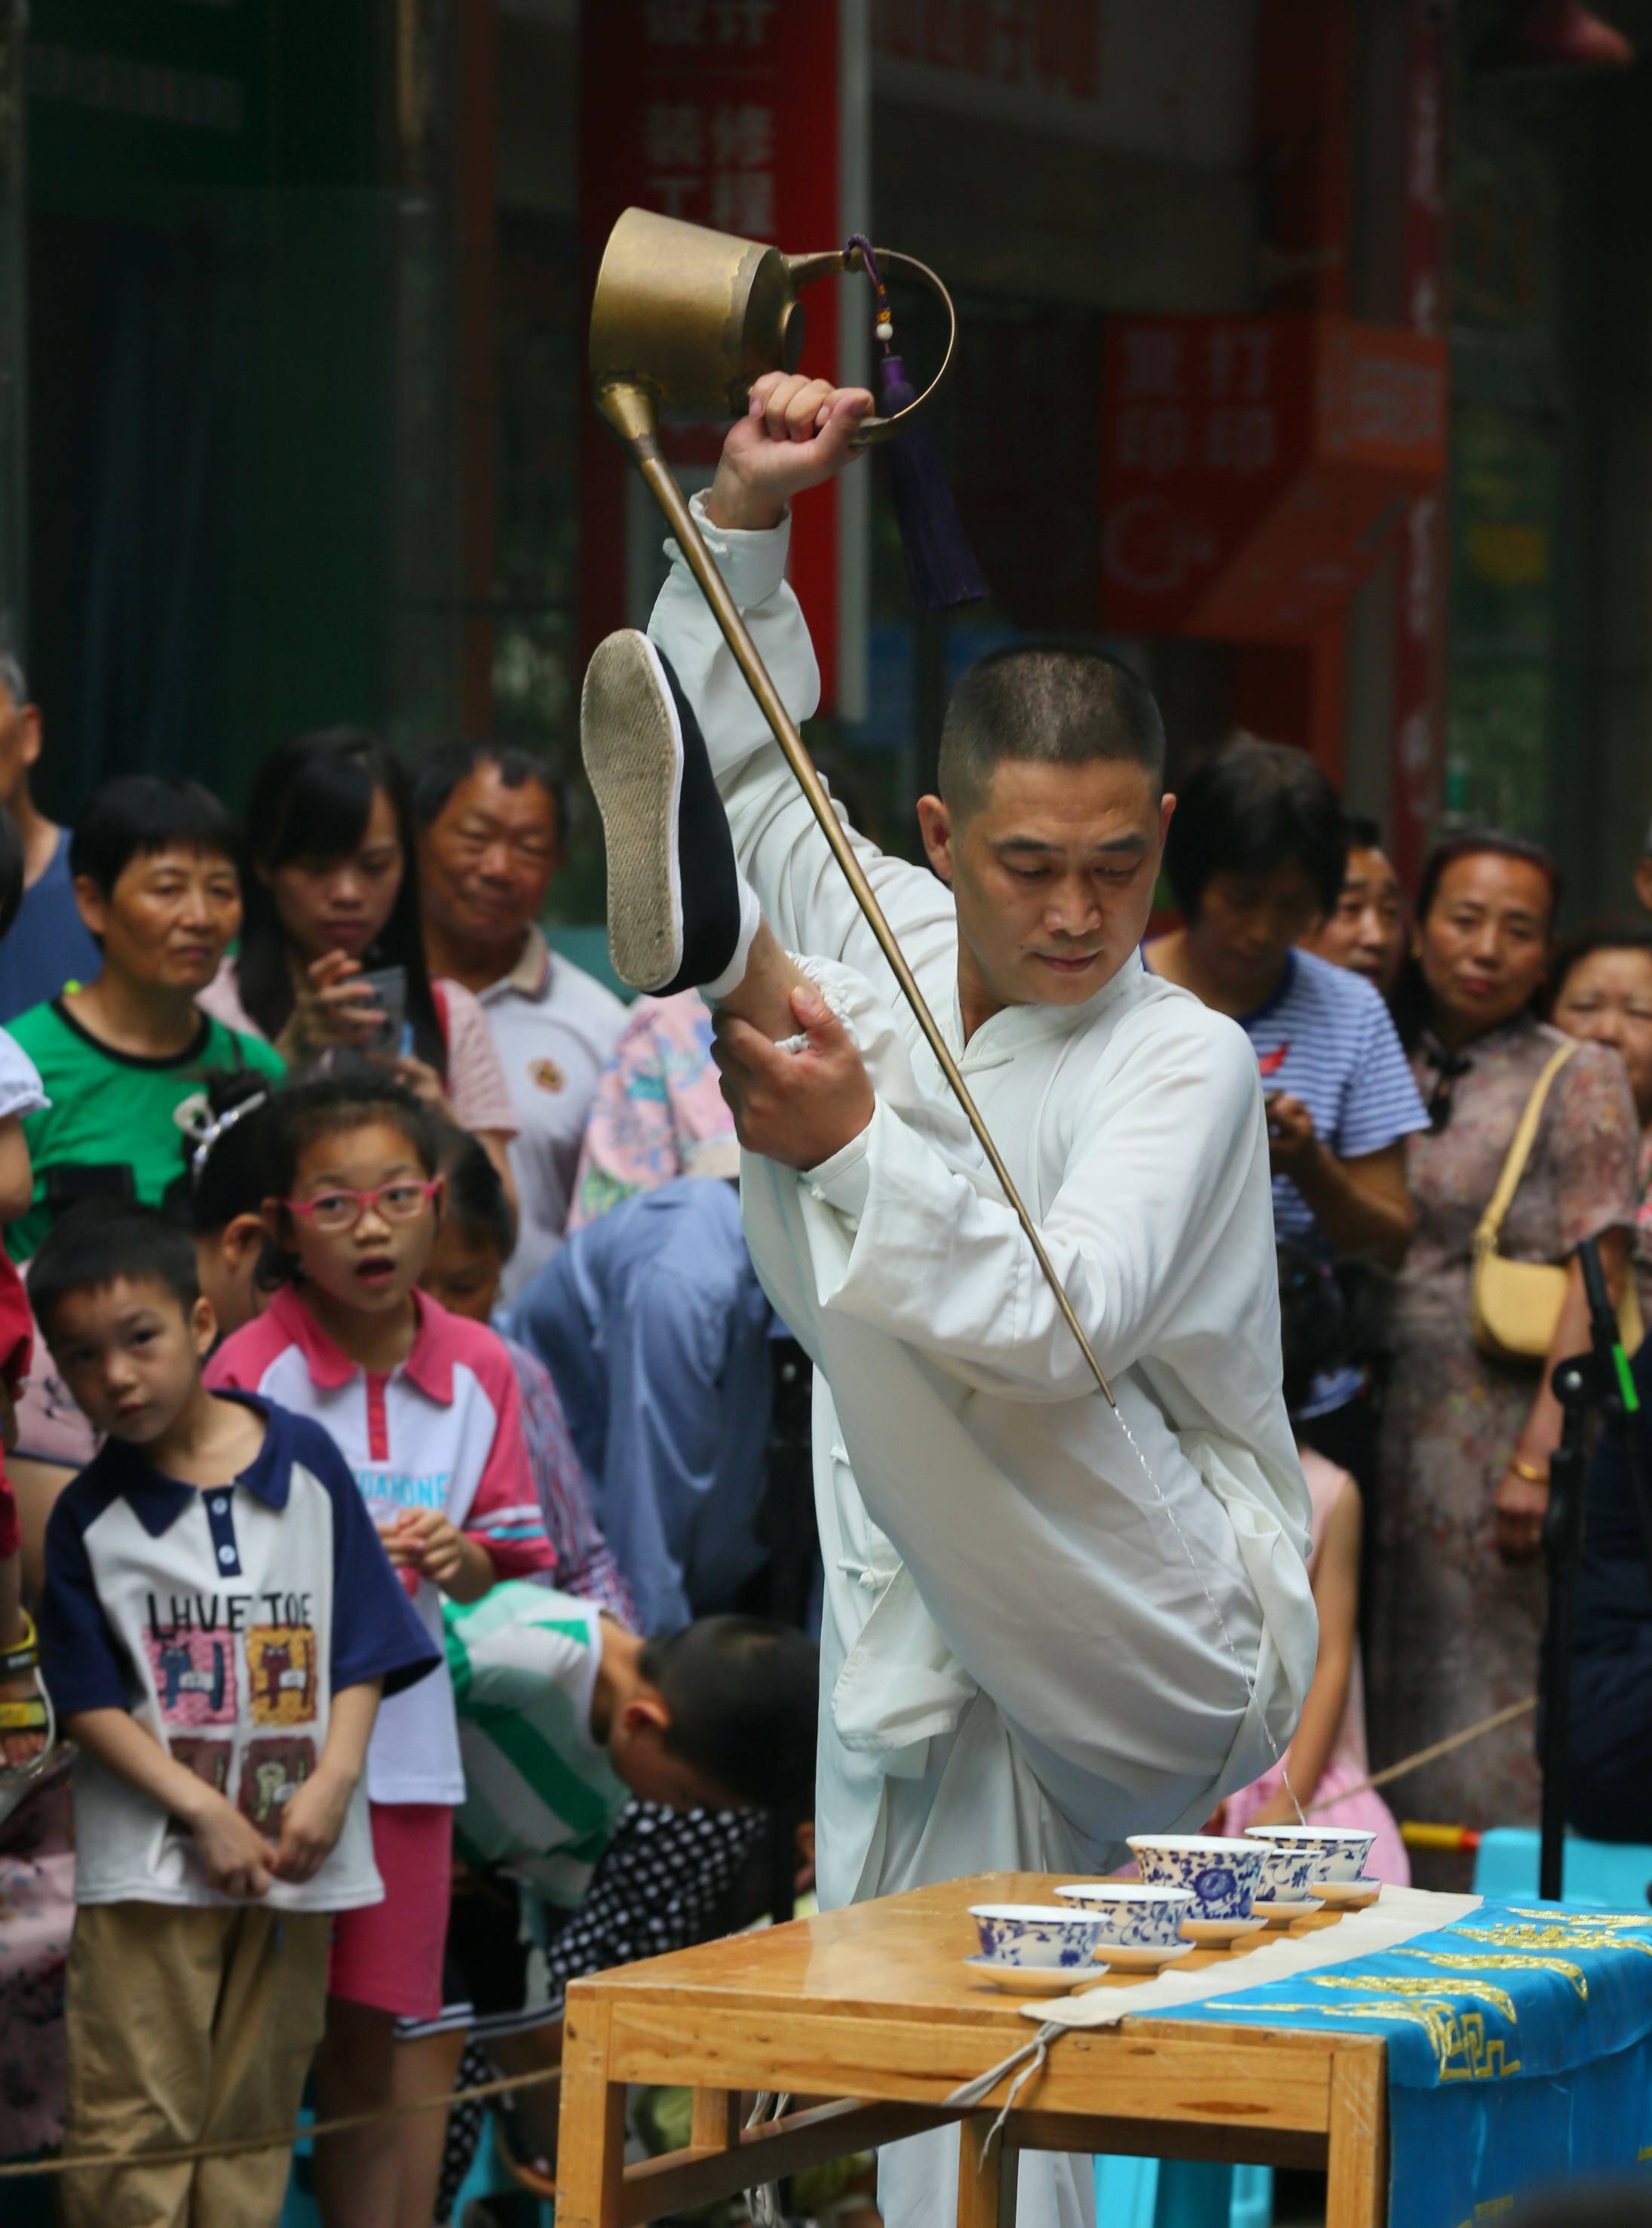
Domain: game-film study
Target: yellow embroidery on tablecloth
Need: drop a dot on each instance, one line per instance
(1470, 1961)
(1408, 1984)
(1580, 1933)
(1461, 2051)
(1554, 1917)
(1436, 2021)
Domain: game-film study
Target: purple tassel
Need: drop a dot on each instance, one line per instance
(940, 564)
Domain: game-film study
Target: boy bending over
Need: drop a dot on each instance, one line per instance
(564, 1717)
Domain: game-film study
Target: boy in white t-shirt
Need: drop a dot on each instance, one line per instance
(219, 1622)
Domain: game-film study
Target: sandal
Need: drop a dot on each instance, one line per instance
(32, 1714)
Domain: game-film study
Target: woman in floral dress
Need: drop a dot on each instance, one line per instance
(1459, 1589)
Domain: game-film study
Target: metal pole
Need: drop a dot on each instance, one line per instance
(639, 436)
(1562, 1545)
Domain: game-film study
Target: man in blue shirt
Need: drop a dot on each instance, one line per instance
(1255, 857)
(657, 1332)
(48, 943)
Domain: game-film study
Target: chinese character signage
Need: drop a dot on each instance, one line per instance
(1419, 581)
(724, 113)
(1044, 46)
(1251, 466)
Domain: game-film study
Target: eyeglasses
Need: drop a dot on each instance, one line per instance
(334, 1210)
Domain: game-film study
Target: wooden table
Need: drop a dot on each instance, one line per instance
(871, 2009)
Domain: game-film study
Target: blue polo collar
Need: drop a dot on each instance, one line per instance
(157, 1501)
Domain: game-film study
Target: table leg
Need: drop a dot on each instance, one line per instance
(1356, 2192)
(590, 2141)
(715, 2125)
(987, 2175)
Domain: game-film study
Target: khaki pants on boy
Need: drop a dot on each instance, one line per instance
(187, 2025)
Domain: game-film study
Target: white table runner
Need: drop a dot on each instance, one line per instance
(1399, 1916)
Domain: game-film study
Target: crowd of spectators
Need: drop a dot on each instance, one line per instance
(310, 1113)
(234, 1062)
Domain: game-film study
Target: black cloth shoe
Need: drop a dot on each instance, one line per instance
(679, 915)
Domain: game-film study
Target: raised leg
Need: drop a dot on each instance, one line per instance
(763, 994)
(1356, 2194)
(591, 2146)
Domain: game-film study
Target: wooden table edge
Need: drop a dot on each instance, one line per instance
(1348, 2137)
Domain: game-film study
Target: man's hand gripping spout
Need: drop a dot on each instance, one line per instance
(794, 435)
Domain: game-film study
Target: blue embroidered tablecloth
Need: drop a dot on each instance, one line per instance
(1519, 2051)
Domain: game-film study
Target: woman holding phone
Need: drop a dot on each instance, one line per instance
(331, 956)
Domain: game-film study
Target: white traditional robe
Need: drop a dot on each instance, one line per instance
(1023, 1658)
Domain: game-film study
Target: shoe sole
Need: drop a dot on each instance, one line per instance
(632, 748)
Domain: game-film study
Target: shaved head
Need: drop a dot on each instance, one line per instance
(1044, 706)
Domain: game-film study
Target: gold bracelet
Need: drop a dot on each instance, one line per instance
(1529, 1471)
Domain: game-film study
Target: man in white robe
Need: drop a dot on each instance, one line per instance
(1046, 1625)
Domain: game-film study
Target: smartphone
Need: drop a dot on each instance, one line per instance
(389, 986)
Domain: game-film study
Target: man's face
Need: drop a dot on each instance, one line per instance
(19, 744)
(1366, 932)
(130, 1354)
(1247, 922)
(168, 919)
(487, 859)
(1054, 873)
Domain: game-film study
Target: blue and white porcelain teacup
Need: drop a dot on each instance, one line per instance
(1339, 1851)
(1288, 1873)
(1222, 1875)
(1050, 1934)
(1137, 1917)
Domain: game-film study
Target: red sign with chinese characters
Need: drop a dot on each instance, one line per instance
(1252, 467)
(1419, 597)
(1047, 46)
(724, 113)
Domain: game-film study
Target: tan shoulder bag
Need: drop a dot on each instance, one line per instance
(1515, 1305)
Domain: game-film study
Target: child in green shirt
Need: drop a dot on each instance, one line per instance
(154, 858)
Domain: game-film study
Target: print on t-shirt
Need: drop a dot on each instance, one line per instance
(208, 1759)
(197, 1683)
(281, 1673)
(272, 1772)
(194, 1676)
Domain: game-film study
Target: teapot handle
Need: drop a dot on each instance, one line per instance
(806, 268)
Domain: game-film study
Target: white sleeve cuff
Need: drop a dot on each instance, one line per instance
(844, 1181)
(754, 565)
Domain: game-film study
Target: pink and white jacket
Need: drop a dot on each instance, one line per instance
(443, 1430)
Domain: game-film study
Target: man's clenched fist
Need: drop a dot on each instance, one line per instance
(795, 434)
